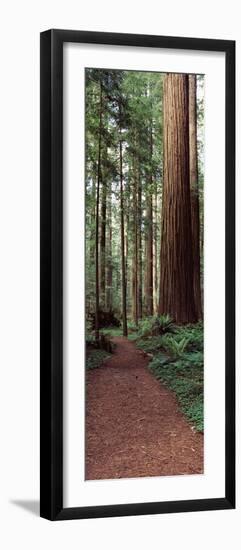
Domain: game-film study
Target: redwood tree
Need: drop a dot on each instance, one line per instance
(123, 262)
(97, 298)
(109, 274)
(149, 238)
(194, 194)
(139, 236)
(176, 258)
(135, 258)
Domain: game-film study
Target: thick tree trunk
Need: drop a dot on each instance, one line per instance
(194, 194)
(176, 260)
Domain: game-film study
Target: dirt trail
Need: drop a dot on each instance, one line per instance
(134, 426)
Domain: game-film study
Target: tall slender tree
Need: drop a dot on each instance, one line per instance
(103, 238)
(135, 245)
(149, 237)
(123, 264)
(139, 240)
(155, 245)
(109, 270)
(97, 214)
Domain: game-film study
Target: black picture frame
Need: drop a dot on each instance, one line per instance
(51, 323)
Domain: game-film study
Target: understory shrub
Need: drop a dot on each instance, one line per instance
(95, 358)
(150, 345)
(112, 331)
(184, 376)
(178, 363)
(156, 325)
(175, 346)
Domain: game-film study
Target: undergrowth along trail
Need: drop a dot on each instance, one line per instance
(176, 360)
(134, 426)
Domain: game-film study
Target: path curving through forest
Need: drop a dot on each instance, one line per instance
(134, 426)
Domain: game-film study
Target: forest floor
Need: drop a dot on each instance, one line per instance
(134, 426)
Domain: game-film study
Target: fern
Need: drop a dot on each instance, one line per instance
(174, 346)
(156, 326)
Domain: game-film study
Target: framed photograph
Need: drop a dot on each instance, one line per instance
(137, 274)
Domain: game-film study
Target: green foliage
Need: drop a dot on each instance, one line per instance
(156, 325)
(178, 363)
(133, 336)
(176, 347)
(194, 334)
(145, 327)
(185, 378)
(163, 324)
(173, 339)
(150, 345)
(131, 326)
(194, 358)
(186, 338)
(95, 358)
(89, 338)
(112, 331)
(194, 412)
